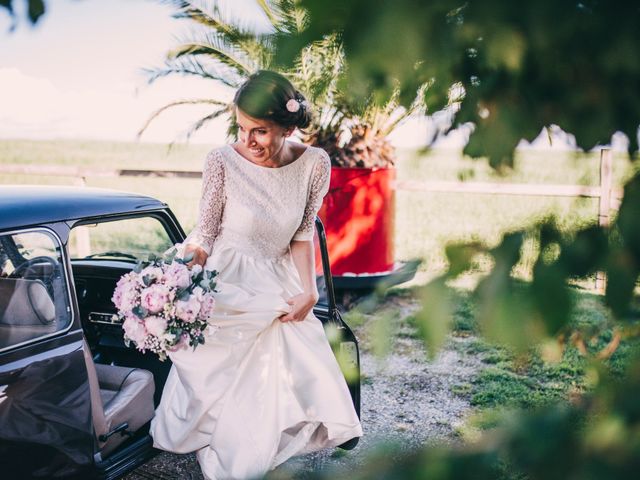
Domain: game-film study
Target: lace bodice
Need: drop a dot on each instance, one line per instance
(259, 210)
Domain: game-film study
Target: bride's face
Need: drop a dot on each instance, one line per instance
(262, 140)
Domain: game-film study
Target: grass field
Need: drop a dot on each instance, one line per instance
(425, 222)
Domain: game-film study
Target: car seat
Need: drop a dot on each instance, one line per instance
(121, 402)
(26, 311)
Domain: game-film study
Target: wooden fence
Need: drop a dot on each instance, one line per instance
(609, 197)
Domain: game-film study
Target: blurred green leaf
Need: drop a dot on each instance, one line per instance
(506, 312)
(460, 257)
(8, 4)
(522, 67)
(35, 10)
(586, 253)
(628, 221)
(382, 329)
(546, 445)
(551, 296)
(435, 318)
(622, 275)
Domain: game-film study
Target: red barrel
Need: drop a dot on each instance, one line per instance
(358, 215)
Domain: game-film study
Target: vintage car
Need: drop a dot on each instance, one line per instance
(74, 400)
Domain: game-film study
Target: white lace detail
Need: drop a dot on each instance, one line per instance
(318, 189)
(212, 203)
(258, 210)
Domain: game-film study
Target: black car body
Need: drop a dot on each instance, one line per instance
(74, 400)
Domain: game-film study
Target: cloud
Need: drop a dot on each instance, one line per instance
(32, 107)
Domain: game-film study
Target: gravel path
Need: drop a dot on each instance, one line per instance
(405, 400)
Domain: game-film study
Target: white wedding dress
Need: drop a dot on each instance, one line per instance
(259, 391)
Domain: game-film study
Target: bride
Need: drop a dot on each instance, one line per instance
(265, 386)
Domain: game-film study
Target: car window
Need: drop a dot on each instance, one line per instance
(34, 296)
(128, 239)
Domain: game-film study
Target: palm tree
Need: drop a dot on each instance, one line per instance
(222, 49)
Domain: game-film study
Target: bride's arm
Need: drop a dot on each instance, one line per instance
(302, 253)
(302, 250)
(200, 240)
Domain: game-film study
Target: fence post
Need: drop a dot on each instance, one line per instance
(83, 237)
(604, 207)
(80, 181)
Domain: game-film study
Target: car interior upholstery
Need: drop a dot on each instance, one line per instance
(121, 401)
(26, 311)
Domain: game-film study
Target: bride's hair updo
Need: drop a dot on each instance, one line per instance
(267, 95)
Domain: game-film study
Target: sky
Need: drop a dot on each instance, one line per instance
(78, 74)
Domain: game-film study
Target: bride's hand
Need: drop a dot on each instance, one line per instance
(199, 255)
(301, 305)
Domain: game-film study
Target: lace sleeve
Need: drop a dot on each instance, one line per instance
(319, 186)
(211, 203)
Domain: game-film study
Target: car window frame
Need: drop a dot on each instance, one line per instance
(67, 280)
(330, 306)
(164, 216)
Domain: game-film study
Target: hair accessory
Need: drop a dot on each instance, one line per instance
(293, 105)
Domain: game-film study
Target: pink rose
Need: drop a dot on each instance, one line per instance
(126, 293)
(130, 278)
(207, 306)
(125, 299)
(177, 275)
(154, 298)
(134, 330)
(155, 325)
(188, 310)
(117, 298)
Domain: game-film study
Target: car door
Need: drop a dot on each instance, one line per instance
(101, 250)
(341, 338)
(45, 417)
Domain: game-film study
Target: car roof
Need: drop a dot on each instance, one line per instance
(26, 205)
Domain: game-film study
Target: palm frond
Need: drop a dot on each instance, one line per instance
(203, 121)
(418, 107)
(318, 69)
(231, 30)
(269, 12)
(210, 17)
(195, 127)
(216, 47)
(286, 16)
(196, 68)
(195, 101)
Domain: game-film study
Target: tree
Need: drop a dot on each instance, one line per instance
(222, 49)
(522, 66)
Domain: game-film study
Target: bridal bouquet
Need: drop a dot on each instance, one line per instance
(165, 305)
